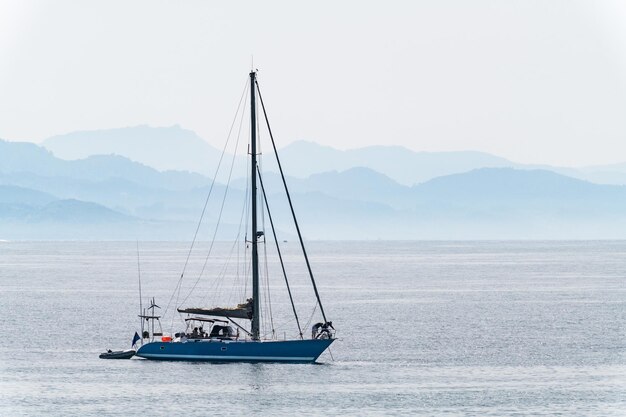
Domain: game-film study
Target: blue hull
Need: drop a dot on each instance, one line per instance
(300, 351)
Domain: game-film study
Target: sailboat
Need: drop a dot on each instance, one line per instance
(221, 342)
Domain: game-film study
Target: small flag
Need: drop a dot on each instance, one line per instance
(135, 339)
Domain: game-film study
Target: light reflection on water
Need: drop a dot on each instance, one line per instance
(431, 328)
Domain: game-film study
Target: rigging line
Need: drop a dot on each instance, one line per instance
(293, 213)
(244, 220)
(267, 279)
(237, 275)
(219, 217)
(239, 326)
(206, 202)
(308, 323)
(219, 286)
(214, 289)
(177, 292)
(280, 256)
(247, 267)
(241, 222)
(238, 279)
(222, 275)
(230, 255)
(236, 240)
(140, 300)
(217, 281)
(174, 315)
(232, 125)
(214, 233)
(266, 288)
(248, 263)
(280, 325)
(268, 296)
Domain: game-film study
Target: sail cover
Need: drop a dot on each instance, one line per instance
(242, 311)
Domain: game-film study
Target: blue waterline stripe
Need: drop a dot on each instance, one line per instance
(218, 357)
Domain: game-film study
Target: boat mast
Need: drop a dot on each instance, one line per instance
(256, 305)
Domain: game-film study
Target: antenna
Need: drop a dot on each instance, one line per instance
(139, 276)
(140, 302)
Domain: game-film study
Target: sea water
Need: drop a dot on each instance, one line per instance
(424, 328)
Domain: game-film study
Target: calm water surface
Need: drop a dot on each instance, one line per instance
(425, 328)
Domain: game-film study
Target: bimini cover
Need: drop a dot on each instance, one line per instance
(242, 311)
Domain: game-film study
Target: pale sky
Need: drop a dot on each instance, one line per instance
(533, 81)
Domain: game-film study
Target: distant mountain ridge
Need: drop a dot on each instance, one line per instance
(23, 204)
(163, 148)
(113, 197)
(175, 148)
(401, 164)
(21, 158)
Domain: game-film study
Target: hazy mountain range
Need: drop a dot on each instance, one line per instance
(122, 186)
(174, 148)
(164, 148)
